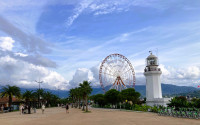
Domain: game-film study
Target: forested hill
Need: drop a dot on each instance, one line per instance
(167, 90)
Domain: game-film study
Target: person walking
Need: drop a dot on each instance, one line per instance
(43, 108)
(2, 107)
(67, 108)
(21, 109)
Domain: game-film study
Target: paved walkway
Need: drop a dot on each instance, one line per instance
(57, 116)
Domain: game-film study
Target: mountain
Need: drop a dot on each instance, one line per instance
(167, 90)
(190, 94)
(60, 93)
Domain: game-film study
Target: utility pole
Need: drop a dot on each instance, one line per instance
(39, 82)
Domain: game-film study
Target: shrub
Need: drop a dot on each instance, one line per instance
(155, 109)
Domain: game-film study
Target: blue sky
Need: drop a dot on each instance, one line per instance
(63, 42)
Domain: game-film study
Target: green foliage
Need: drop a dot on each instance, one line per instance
(195, 102)
(155, 109)
(178, 102)
(80, 93)
(112, 96)
(99, 99)
(64, 101)
(85, 88)
(10, 91)
(50, 99)
(144, 108)
(28, 95)
(130, 95)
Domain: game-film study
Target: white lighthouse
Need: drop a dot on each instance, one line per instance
(153, 83)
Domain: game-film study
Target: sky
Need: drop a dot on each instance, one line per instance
(63, 42)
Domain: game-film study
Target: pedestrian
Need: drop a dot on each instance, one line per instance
(67, 108)
(2, 107)
(21, 109)
(43, 108)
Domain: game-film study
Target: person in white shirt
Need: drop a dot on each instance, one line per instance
(43, 108)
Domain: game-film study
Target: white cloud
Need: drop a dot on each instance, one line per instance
(6, 43)
(21, 54)
(187, 76)
(101, 7)
(81, 75)
(29, 42)
(23, 74)
(77, 11)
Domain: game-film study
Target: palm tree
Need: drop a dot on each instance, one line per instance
(10, 91)
(71, 94)
(86, 90)
(40, 94)
(48, 97)
(79, 96)
(28, 96)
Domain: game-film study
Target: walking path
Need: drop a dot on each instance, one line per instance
(58, 116)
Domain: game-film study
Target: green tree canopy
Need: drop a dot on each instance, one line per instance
(130, 95)
(10, 91)
(178, 102)
(86, 90)
(28, 95)
(99, 98)
(112, 96)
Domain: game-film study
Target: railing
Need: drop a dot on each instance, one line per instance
(151, 69)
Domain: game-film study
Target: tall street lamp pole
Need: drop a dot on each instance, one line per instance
(39, 82)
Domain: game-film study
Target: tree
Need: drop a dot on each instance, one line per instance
(40, 94)
(196, 102)
(130, 95)
(112, 96)
(79, 96)
(86, 91)
(99, 98)
(10, 91)
(178, 102)
(28, 96)
(48, 97)
(72, 95)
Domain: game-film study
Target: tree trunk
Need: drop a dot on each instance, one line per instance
(10, 100)
(79, 103)
(83, 104)
(86, 102)
(38, 100)
(72, 102)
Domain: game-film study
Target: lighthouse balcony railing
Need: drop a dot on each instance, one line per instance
(151, 69)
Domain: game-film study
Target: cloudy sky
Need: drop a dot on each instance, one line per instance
(62, 42)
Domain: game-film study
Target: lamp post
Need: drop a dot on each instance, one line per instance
(39, 82)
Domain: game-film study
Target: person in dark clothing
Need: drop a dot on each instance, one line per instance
(67, 108)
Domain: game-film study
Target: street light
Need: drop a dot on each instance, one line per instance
(39, 82)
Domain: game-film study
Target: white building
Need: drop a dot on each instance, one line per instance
(153, 84)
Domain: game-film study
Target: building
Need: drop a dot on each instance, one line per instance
(15, 102)
(153, 83)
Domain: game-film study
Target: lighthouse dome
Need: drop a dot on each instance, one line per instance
(151, 56)
(152, 60)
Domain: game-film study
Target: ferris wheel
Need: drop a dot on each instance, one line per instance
(116, 71)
